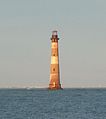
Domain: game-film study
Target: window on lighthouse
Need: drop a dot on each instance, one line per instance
(53, 69)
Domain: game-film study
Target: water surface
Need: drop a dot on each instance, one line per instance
(46, 104)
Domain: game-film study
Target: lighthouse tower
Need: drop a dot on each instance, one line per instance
(54, 67)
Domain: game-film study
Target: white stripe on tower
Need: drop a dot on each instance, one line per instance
(54, 60)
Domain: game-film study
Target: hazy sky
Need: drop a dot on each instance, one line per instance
(25, 31)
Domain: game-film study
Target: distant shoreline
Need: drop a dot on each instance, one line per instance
(47, 88)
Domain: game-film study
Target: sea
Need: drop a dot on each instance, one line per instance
(57, 104)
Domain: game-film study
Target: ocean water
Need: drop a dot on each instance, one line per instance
(46, 104)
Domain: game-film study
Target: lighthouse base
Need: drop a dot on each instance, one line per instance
(56, 87)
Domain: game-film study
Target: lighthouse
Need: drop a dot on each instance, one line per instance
(54, 66)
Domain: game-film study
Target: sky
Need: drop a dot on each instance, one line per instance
(25, 30)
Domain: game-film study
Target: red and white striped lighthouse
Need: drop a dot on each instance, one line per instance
(54, 67)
